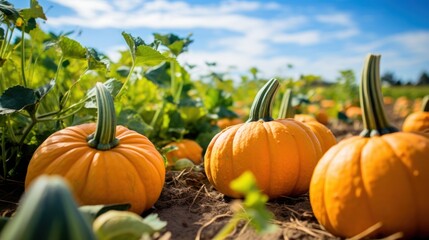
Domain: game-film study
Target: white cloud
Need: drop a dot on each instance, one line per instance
(252, 38)
(336, 18)
(301, 38)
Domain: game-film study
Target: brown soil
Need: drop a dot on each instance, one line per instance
(193, 209)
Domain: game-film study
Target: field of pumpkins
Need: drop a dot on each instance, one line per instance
(138, 149)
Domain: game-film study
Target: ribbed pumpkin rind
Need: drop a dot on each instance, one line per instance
(281, 154)
(383, 179)
(132, 172)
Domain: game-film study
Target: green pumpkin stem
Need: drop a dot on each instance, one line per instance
(425, 104)
(374, 118)
(262, 105)
(286, 109)
(104, 137)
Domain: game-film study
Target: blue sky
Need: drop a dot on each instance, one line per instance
(315, 36)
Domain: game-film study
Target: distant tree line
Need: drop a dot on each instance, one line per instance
(392, 80)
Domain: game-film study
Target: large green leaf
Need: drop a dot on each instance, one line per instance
(71, 48)
(159, 75)
(173, 42)
(132, 120)
(35, 11)
(146, 55)
(16, 98)
(94, 61)
(132, 43)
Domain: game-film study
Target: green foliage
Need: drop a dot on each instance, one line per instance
(252, 209)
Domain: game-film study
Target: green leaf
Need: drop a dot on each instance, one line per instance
(176, 121)
(223, 112)
(153, 221)
(112, 85)
(132, 120)
(190, 109)
(94, 61)
(43, 90)
(254, 203)
(8, 12)
(148, 56)
(123, 71)
(133, 44)
(35, 11)
(174, 43)
(16, 98)
(245, 183)
(159, 75)
(71, 48)
(93, 211)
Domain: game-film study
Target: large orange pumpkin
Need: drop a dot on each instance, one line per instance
(186, 148)
(378, 180)
(418, 121)
(114, 165)
(324, 135)
(280, 153)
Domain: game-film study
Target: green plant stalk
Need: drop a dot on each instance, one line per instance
(60, 64)
(374, 118)
(262, 104)
(29, 127)
(133, 65)
(6, 41)
(3, 153)
(176, 86)
(67, 93)
(286, 110)
(11, 132)
(104, 137)
(157, 114)
(24, 79)
(42, 119)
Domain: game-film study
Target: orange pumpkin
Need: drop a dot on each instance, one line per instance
(418, 121)
(324, 135)
(378, 180)
(402, 106)
(186, 148)
(112, 165)
(354, 112)
(304, 118)
(280, 153)
(322, 117)
(227, 122)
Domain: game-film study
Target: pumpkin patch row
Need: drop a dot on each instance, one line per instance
(374, 178)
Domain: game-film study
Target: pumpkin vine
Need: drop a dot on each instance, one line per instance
(374, 118)
(262, 105)
(104, 137)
